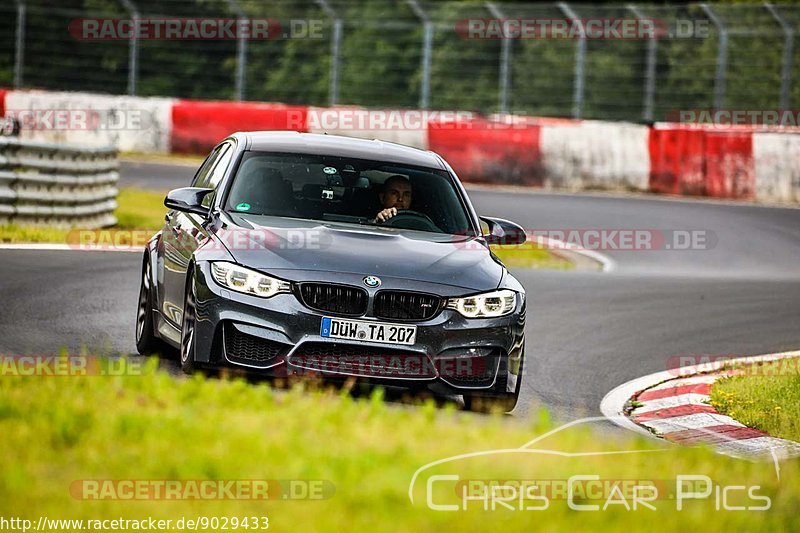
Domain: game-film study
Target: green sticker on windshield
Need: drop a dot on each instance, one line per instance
(244, 206)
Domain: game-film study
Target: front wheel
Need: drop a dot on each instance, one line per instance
(146, 340)
(188, 329)
(497, 399)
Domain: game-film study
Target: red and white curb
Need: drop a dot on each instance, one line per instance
(569, 251)
(674, 405)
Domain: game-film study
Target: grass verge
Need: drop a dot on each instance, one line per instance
(765, 396)
(64, 436)
(530, 255)
(166, 159)
(138, 210)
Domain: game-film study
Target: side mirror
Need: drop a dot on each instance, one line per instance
(503, 231)
(188, 200)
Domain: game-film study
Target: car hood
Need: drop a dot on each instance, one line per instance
(285, 244)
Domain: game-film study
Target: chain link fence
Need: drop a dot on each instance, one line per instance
(418, 54)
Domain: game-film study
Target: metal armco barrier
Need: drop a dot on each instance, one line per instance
(57, 185)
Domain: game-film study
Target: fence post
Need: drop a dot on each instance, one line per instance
(336, 44)
(133, 48)
(241, 49)
(650, 69)
(505, 61)
(427, 45)
(580, 59)
(19, 50)
(722, 57)
(788, 45)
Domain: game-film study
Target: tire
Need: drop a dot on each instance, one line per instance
(490, 400)
(188, 328)
(146, 341)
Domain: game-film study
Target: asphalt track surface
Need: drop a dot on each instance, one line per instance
(587, 332)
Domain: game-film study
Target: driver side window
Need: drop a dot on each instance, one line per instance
(202, 174)
(217, 172)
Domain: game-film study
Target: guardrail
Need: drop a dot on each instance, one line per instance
(57, 185)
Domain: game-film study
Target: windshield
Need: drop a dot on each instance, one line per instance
(346, 190)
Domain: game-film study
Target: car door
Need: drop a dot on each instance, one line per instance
(176, 249)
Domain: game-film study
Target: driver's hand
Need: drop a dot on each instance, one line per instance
(386, 214)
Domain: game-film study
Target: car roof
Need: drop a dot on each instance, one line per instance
(337, 145)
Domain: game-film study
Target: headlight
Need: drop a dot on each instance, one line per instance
(487, 305)
(240, 279)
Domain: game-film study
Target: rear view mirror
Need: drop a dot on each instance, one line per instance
(502, 231)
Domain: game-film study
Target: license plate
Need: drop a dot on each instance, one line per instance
(337, 328)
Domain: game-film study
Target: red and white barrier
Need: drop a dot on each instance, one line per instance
(485, 151)
(554, 153)
(677, 164)
(777, 166)
(132, 124)
(741, 163)
(696, 161)
(197, 126)
(596, 155)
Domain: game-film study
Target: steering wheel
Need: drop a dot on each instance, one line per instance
(409, 219)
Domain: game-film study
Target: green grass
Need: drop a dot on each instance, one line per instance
(530, 255)
(138, 210)
(766, 397)
(12, 233)
(60, 430)
(169, 159)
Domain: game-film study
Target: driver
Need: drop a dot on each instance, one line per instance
(395, 195)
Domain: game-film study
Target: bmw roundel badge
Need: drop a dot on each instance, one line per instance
(372, 281)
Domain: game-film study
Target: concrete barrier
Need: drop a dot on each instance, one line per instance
(596, 155)
(777, 166)
(730, 171)
(130, 124)
(197, 126)
(487, 151)
(677, 160)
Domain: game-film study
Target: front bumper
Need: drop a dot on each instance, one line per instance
(279, 336)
